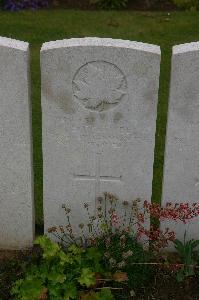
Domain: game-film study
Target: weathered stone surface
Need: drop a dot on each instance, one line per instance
(99, 100)
(16, 198)
(181, 170)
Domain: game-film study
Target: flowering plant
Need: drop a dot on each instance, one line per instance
(122, 231)
(178, 211)
(114, 235)
(131, 217)
(16, 5)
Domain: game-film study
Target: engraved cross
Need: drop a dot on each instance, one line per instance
(98, 178)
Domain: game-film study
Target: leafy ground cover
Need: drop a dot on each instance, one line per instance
(112, 256)
(163, 286)
(161, 28)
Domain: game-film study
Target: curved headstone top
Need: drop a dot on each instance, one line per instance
(12, 43)
(105, 42)
(183, 48)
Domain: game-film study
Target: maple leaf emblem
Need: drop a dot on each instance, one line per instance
(99, 85)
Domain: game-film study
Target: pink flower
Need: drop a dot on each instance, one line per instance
(114, 220)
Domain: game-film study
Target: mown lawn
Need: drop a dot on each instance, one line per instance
(158, 28)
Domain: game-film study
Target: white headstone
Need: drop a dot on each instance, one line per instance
(181, 170)
(16, 197)
(99, 101)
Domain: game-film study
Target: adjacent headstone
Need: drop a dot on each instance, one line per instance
(99, 101)
(16, 196)
(181, 170)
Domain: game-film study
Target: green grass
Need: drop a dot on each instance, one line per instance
(45, 25)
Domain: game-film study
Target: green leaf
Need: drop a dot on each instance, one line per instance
(55, 291)
(28, 289)
(71, 292)
(50, 249)
(42, 271)
(179, 246)
(195, 244)
(180, 275)
(87, 277)
(16, 288)
(65, 258)
(75, 249)
(56, 277)
(94, 254)
(104, 294)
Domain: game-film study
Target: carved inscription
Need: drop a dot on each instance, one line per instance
(99, 85)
